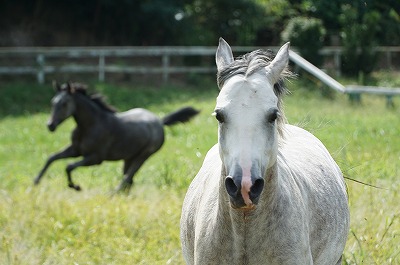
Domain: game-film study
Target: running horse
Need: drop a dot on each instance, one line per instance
(268, 192)
(102, 133)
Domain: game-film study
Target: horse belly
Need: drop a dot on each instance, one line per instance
(137, 138)
(121, 136)
(329, 230)
(307, 164)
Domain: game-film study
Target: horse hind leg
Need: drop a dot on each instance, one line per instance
(70, 182)
(130, 168)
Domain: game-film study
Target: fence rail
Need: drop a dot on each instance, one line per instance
(40, 63)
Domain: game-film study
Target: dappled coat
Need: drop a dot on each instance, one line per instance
(268, 192)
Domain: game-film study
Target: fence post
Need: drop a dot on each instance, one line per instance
(337, 63)
(389, 59)
(41, 73)
(165, 65)
(102, 64)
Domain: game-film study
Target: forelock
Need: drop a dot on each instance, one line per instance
(245, 65)
(251, 63)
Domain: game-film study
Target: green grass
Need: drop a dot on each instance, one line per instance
(52, 224)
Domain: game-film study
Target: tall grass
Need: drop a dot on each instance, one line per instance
(52, 224)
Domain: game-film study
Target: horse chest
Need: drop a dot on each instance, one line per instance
(248, 241)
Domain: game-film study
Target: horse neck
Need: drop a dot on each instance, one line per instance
(87, 113)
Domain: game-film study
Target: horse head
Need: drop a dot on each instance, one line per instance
(63, 105)
(248, 111)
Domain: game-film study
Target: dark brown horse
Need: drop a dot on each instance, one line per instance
(104, 134)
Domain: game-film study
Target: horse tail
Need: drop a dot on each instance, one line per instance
(180, 115)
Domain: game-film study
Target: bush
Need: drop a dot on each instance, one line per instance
(359, 30)
(307, 35)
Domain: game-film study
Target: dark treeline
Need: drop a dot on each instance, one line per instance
(189, 22)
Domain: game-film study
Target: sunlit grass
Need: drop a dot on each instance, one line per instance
(52, 224)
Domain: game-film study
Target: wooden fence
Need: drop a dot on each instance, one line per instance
(40, 61)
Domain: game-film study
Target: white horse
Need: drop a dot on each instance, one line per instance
(268, 192)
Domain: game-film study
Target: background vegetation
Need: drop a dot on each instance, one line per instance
(184, 22)
(358, 25)
(52, 224)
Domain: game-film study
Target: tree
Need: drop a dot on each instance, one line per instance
(306, 34)
(359, 39)
(235, 20)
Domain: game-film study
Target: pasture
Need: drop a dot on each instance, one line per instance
(53, 224)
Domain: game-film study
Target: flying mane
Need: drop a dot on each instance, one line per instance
(97, 98)
(250, 63)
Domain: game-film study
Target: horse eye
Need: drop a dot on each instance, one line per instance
(273, 116)
(219, 116)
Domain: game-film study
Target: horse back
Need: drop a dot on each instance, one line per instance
(138, 129)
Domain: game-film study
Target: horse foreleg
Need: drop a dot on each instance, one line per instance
(67, 152)
(86, 161)
(130, 168)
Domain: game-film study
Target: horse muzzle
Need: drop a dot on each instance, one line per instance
(51, 125)
(244, 194)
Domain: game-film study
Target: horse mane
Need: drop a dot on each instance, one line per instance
(97, 98)
(250, 63)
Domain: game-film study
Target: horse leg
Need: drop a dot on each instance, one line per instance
(130, 168)
(86, 161)
(67, 152)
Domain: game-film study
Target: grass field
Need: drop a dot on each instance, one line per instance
(52, 224)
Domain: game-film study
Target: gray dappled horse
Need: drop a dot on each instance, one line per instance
(268, 192)
(104, 134)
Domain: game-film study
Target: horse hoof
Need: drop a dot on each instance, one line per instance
(124, 188)
(75, 187)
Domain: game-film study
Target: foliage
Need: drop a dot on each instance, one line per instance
(193, 22)
(357, 25)
(276, 14)
(330, 11)
(327, 11)
(307, 35)
(359, 39)
(92, 22)
(390, 21)
(235, 20)
(52, 224)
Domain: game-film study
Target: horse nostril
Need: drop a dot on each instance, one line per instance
(231, 187)
(257, 188)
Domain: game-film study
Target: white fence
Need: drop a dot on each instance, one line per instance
(40, 61)
(353, 91)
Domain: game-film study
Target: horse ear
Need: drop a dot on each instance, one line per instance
(70, 88)
(223, 56)
(279, 63)
(56, 86)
